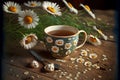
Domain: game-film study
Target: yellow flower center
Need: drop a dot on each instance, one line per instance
(51, 9)
(12, 8)
(93, 39)
(59, 42)
(87, 7)
(28, 39)
(70, 4)
(55, 49)
(28, 19)
(33, 4)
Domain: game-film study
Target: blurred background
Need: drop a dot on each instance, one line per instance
(95, 4)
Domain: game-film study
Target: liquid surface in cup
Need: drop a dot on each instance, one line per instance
(61, 33)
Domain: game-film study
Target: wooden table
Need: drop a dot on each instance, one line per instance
(16, 60)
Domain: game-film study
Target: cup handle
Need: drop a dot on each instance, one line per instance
(82, 31)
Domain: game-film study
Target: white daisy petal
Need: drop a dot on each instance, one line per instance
(100, 32)
(52, 8)
(59, 42)
(70, 6)
(55, 49)
(33, 4)
(28, 19)
(29, 41)
(88, 10)
(11, 7)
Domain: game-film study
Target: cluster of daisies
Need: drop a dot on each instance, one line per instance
(29, 19)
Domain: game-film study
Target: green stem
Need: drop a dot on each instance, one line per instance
(21, 33)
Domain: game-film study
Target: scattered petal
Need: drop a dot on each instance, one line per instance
(88, 63)
(93, 55)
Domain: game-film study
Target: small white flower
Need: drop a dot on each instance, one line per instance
(29, 41)
(59, 42)
(88, 63)
(68, 45)
(71, 7)
(75, 42)
(28, 19)
(52, 8)
(80, 60)
(95, 66)
(49, 39)
(93, 40)
(55, 49)
(87, 8)
(33, 4)
(84, 53)
(93, 55)
(11, 7)
(68, 52)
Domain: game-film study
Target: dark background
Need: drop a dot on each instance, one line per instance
(95, 4)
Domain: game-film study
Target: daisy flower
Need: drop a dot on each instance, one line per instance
(59, 42)
(52, 8)
(87, 8)
(29, 41)
(33, 4)
(75, 42)
(71, 7)
(28, 19)
(93, 40)
(55, 49)
(49, 39)
(100, 32)
(68, 45)
(11, 7)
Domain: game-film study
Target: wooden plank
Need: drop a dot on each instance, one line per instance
(15, 73)
(70, 69)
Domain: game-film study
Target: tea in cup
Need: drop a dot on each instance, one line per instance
(62, 40)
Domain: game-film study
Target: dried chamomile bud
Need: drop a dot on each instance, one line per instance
(34, 64)
(49, 67)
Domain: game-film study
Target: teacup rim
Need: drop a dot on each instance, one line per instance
(62, 36)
